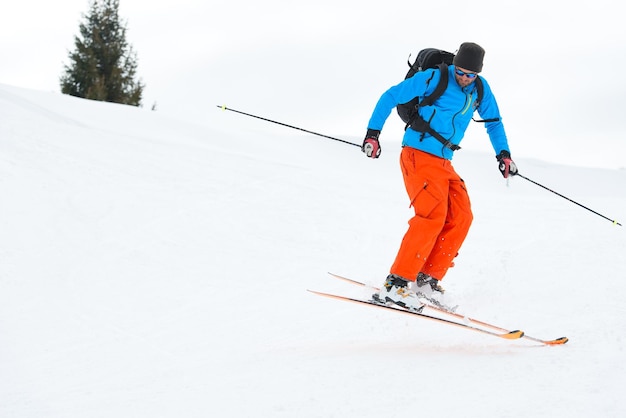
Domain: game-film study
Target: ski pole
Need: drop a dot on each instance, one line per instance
(567, 198)
(223, 107)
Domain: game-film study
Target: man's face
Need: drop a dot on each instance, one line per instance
(464, 77)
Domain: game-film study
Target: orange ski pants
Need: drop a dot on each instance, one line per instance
(443, 215)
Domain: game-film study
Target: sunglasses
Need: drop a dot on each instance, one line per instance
(463, 73)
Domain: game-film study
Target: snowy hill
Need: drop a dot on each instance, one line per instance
(155, 267)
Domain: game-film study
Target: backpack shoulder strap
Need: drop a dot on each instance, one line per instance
(419, 124)
(480, 91)
(441, 86)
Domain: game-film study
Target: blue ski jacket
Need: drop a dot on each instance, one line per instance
(451, 113)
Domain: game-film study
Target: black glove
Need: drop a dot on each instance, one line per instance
(371, 146)
(505, 164)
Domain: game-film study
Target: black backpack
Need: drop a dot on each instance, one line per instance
(431, 58)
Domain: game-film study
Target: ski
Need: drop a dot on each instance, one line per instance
(557, 341)
(509, 335)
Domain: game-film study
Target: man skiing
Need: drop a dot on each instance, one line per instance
(438, 195)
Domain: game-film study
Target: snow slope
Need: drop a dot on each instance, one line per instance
(157, 267)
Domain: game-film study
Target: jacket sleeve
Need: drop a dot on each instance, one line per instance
(404, 92)
(488, 109)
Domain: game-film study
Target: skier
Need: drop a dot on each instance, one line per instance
(436, 192)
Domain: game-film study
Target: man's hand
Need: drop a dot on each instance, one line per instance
(505, 164)
(371, 146)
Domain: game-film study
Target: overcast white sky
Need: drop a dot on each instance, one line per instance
(322, 66)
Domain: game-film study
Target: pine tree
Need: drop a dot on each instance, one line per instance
(103, 65)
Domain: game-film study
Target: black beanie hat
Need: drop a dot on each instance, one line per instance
(470, 57)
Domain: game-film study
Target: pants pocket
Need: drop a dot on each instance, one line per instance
(424, 201)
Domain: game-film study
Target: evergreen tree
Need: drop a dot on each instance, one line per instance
(103, 66)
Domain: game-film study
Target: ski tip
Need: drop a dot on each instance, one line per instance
(558, 341)
(513, 335)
